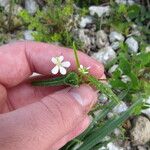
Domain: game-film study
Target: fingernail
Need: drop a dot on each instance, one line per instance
(84, 95)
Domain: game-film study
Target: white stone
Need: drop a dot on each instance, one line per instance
(84, 39)
(4, 3)
(147, 49)
(117, 132)
(112, 146)
(147, 111)
(28, 35)
(110, 115)
(16, 9)
(101, 39)
(103, 98)
(125, 78)
(99, 10)
(115, 45)
(130, 2)
(132, 44)
(31, 6)
(112, 69)
(140, 134)
(84, 21)
(116, 36)
(105, 55)
(121, 107)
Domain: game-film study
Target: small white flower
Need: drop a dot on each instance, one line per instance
(84, 70)
(60, 65)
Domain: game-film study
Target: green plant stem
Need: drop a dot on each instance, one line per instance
(76, 55)
(102, 87)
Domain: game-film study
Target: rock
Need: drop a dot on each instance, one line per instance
(112, 146)
(4, 3)
(141, 148)
(110, 115)
(101, 39)
(132, 44)
(28, 35)
(85, 21)
(140, 134)
(121, 107)
(31, 6)
(147, 49)
(147, 111)
(125, 78)
(115, 45)
(103, 98)
(105, 55)
(16, 9)
(84, 39)
(116, 36)
(117, 132)
(99, 10)
(112, 69)
(130, 2)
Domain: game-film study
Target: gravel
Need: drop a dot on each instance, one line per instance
(132, 44)
(105, 55)
(99, 10)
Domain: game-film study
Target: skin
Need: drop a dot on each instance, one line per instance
(39, 118)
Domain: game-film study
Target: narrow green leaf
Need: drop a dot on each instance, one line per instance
(50, 82)
(76, 55)
(102, 87)
(107, 128)
(98, 117)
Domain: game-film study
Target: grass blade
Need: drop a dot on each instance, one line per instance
(107, 128)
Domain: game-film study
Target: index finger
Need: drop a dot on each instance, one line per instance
(19, 60)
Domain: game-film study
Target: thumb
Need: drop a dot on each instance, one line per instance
(39, 125)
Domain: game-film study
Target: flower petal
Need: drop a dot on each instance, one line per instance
(66, 64)
(88, 68)
(54, 60)
(63, 71)
(81, 66)
(55, 70)
(60, 58)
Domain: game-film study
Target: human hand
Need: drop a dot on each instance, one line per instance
(39, 118)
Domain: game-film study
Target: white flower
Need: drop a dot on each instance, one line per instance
(60, 65)
(84, 70)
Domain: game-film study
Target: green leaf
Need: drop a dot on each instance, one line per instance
(50, 82)
(102, 114)
(102, 87)
(108, 128)
(72, 79)
(133, 11)
(124, 65)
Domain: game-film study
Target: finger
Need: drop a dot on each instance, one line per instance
(39, 125)
(18, 61)
(25, 94)
(77, 131)
(3, 98)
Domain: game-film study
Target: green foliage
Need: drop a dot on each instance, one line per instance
(52, 23)
(71, 79)
(124, 16)
(87, 3)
